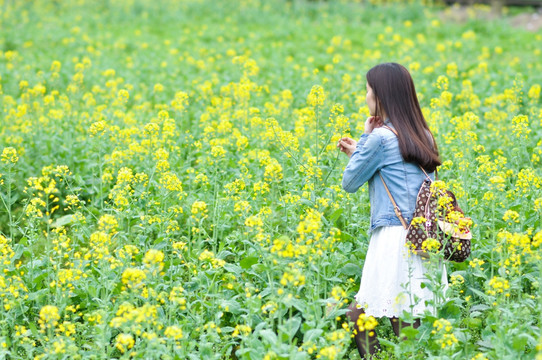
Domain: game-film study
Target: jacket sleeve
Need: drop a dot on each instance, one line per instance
(364, 162)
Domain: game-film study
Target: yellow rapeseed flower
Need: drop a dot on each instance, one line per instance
(534, 92)
(133, 277)
(511, 216)
(241, 330)
(49, 316)
(316, 96)
(520, 126)
(173, 332)
(153, 256)
(497, 285)
(9, 156)
(366, 322)
(124, 342)
(430, 245)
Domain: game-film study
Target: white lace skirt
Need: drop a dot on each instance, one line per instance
(391, 279)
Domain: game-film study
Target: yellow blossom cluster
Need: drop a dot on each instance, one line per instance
(366, 323)
(208, 257)
(498, 285)
(443, 332)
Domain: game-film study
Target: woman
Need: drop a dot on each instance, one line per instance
(396, 145)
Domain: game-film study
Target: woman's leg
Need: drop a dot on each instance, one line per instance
(366, 341)
(397, 325)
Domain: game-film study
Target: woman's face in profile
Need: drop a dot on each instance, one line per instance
(370, 99)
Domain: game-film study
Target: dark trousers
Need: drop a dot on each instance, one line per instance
(366, 340)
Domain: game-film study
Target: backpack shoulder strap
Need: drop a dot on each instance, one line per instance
(395, 207)
(390, 129)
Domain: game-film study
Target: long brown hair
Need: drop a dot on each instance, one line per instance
(395, 94)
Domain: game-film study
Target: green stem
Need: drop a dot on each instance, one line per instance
(332, 168)
(216, 218)
(493, 235)
(317, 111)
(101, 179)
(8, 208)
(286, 149)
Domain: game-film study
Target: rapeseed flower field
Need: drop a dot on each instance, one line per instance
(170, 183)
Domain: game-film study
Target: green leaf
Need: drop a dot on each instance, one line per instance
(472, 323)
(479, 307)
(34, 329)
(346, 236)
(247, 262)
(485, 344)
(335, 215)
(231, 306)
(312, 334)
(351, 269)
(63, 221)
(477, 292)
(387, 343)
(410, 332)
(269, 335)
(307, 202)
(450, 310)
(290, 327)
(345, 247)
(39, 279)
(299, 355)
(296, 303)
(233, 269)
(78, 179)
(520, 342)
(19, 250)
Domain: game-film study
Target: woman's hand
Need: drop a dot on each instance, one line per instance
(372, 122)
(347, 145)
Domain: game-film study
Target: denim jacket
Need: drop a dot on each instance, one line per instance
(379, 152)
